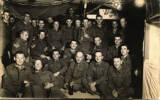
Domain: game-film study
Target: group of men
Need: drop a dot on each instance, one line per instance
(82, 55)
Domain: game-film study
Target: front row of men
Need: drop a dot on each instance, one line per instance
(41, 80)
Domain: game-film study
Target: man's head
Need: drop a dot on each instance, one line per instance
(73, 45)
(50, 20)
(69, 22)
(38, 65)
(12, 19)
(115, 24)
(19, 58)
(97, 41)
(34, 22)
(24, 35)
(117, 62)
(55, 54)
(124, 50)
(42, 35)
(98, 56)
(56, 25)
(70, 11)
(78, 23)
(79, 57)
(123, 22)
(117, 40)
(85, 23)
(6, 15)
(27, 17)
(41, 23)
(99, 19)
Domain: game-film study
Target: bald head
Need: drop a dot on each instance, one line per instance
(79, 57)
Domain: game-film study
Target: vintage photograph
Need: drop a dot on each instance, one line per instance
(80, 49)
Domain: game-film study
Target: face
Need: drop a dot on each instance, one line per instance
(117, 63)
(42, 35)
(79, 57)
(73, 45)
(34, 22)
(56, 55)
(117, 40)
(98, 57)
(78, 23)
(114, 24)
(38, 65)
(124, 51)
(24, 35)
(6, 15)
(20, 59)
(27, 18)
(85, 23)
(123, 22)
(56, 25)
(99, 20)
(71, 11)
(41, 23)
(50, 20)
(97, 41)
(69, 22)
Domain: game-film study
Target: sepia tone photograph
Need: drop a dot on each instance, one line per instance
(79, 49)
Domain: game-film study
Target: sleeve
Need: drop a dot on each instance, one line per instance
(64, 68)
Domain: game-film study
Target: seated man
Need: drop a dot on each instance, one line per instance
(15, 76)
(96, 74)
(77, 72)
(21, 44)
(69, 53)
(57, 67)
(41, 84)
(119, 83)
(98, 46)
(39, 47)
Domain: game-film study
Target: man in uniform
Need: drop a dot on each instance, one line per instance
(97, 73)
(114, 50)
(77, 72)
(55, 37)
(16, 74)
(67, 32)
(119, 83)
(77, 28)
(69, 53)
(21, 44)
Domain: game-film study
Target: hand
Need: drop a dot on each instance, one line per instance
(72, 83)
(48, 57)
(48, 85)
(115, 93)
(86, 36)
(42, 56)
(53, 47)
(27, 84)
(56, 74)
(93, 86)
(32, 46)
(63, 48)
(136, 72)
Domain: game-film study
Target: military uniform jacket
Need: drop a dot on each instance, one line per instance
(119, 80)
(20, 45)
(98, 72)
(14, 77)
(76, 72)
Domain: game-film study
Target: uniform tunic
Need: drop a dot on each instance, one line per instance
(120, 80)
(55, 38)
(20, 45)
(77, 73)
(14, 79)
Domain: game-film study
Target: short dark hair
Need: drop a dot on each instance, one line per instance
(19, 52)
